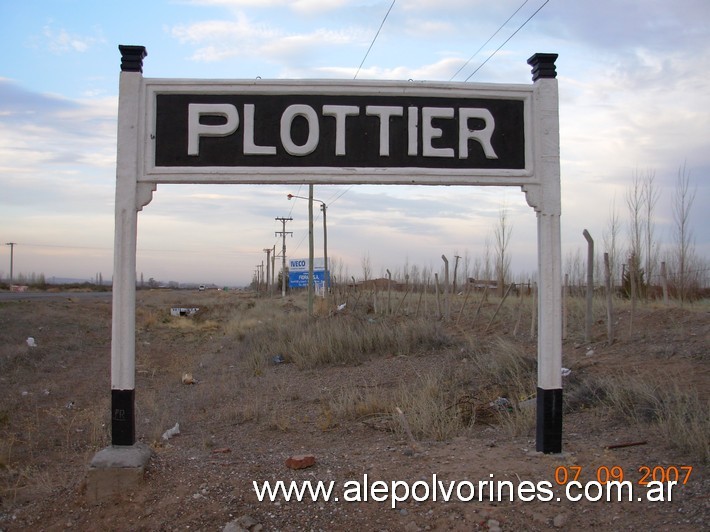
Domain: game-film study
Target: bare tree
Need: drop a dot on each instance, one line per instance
(502, 234)
(487, 270)
(366, 267)
(641, 199)
(466, 267)
(683, 198)
(574, 267)
(650, 198)
(477, 269)
(611, 240)
(415, 277)
(634, 202)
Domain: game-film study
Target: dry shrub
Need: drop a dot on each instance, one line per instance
(518, 420)
(583, 391)
(681, 417)
(361, 402)
(503, 365)
(148, 318)
(310, 343)
(442, 402)
(429, 407)
(684, 421)
(506, 379)
(429, 404)
(187, 324)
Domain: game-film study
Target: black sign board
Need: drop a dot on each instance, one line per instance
(380, 131)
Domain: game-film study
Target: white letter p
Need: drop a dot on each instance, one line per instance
(195, 129)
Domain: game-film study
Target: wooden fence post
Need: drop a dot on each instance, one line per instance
(438, 301)
(565, 293)
(589, 318)
(520, 310)
(389, 292)
(505, 296)
(664, 283)
(465, 300)
(609, 301)
(632, 282)
(447, 313)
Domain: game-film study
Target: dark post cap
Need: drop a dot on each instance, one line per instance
(543, 66)
(132, 57)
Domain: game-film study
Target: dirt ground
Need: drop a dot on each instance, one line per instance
(54, 412)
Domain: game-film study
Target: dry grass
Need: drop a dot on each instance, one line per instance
(439, 403)
(678, 414)
(247, 353)
(340, 340)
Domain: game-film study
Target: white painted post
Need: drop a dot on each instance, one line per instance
(546, 201)
(123, 329)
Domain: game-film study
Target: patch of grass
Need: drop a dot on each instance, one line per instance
(342, 340)
(680, 416)
(428, 405)
(506, 377)
(361, 402)
(684, 421)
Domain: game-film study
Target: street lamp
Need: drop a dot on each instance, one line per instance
(324, 207)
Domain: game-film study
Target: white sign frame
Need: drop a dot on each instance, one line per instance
(136, 180)
(334, 175)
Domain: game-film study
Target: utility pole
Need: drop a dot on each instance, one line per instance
(323, 207)
(268, 268)
(12, 258)
(326, 273)
(283, 234)
(273, 268)
(310, 249)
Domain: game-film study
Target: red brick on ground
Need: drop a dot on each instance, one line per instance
(300, 461)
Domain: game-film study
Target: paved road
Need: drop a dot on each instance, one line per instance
(24, 296)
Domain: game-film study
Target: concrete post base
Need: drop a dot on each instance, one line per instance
(115, 471)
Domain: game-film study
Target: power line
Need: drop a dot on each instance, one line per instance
(329, 203)
(341, 195)
(467, 62)
(384, 19)
(374, 39)
(489, 40)
(508, 39)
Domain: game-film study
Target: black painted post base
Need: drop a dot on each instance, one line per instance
(123, 421)
(549, 421)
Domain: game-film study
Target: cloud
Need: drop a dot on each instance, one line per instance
(217, 40)
(17, 101)
(61, 41)
(654, 24)
(57, 155)
(633, 89)
(241, 29)
(441, 69)
(303, 6)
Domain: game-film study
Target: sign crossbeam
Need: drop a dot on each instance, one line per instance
(325, 131)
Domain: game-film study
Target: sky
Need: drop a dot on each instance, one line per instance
(634, 101)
